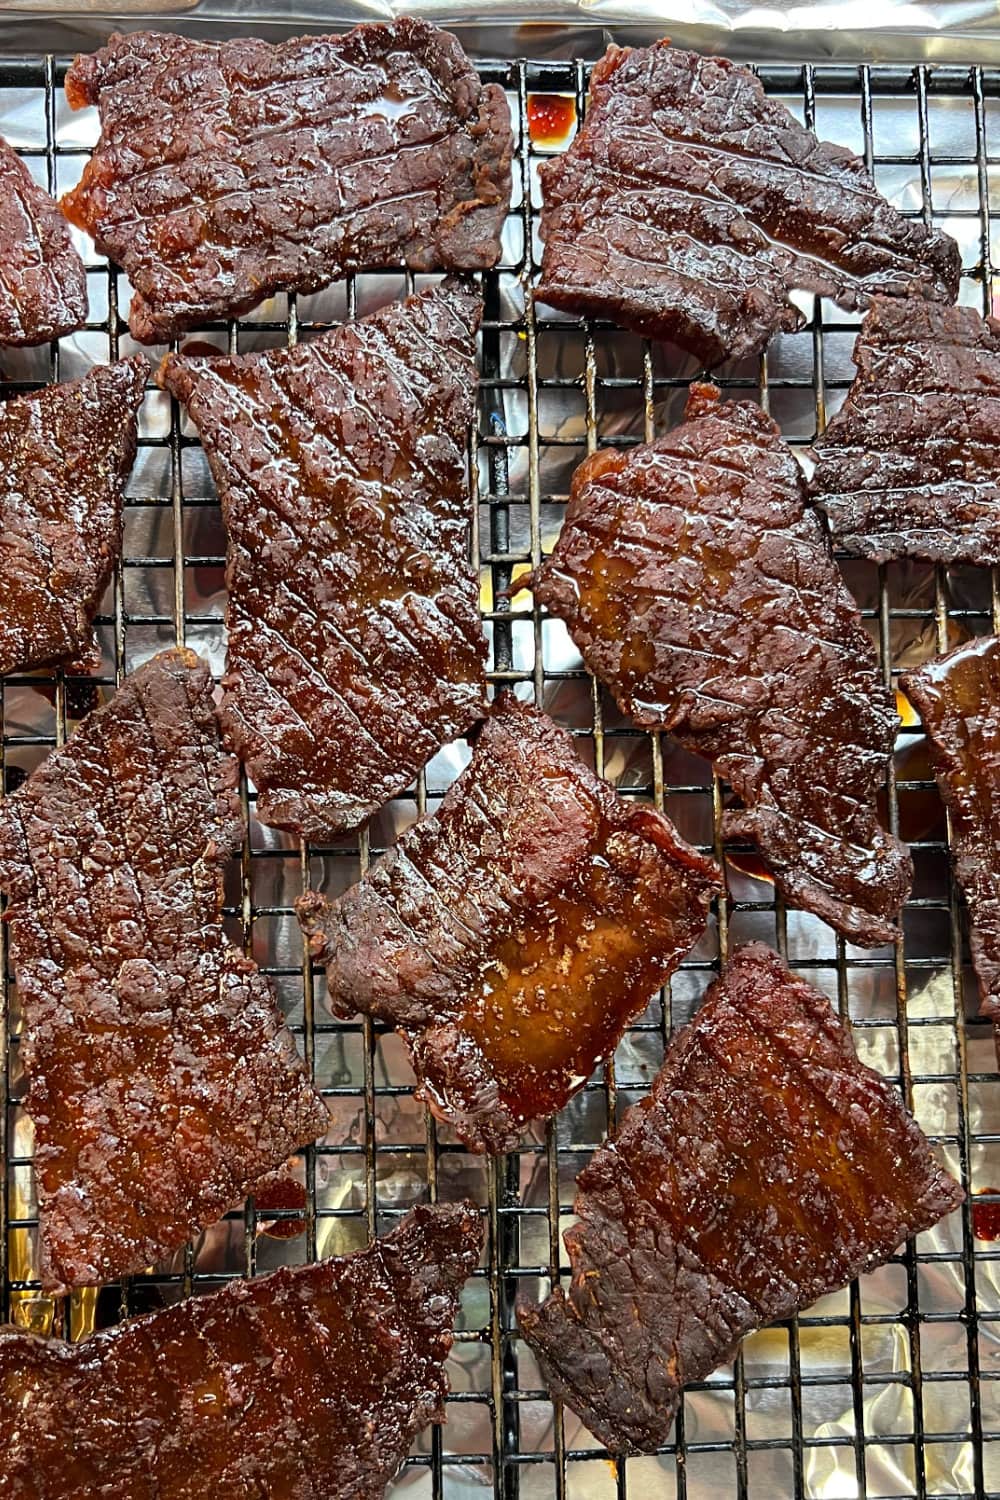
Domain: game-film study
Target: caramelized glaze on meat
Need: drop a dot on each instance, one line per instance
(910, 465)
(162, 1080)
(513, 936)
(767, 1168)
(308, 1383)
(227, 171)
(65, 455)
(698, 586)
(43, 285)
(355, 643)
(958, 698)
(690, 204)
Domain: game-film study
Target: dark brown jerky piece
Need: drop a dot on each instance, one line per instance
(228, 171)
(310, 1382)
(690, 204)
(513, 936)
(958, 697)
(910, 465)
(698, 586)
(768, 1167)
(43, 285)
(162, 1080)
(355, 643)
(65, 455)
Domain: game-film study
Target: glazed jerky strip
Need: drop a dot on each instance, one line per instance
(43, 285)
(513, 936)
(65, 455)
(910, 465)
(767, 1168)
(690, 204)
(162, 1081)
(698, 586)
(958, 698)
(355, 643)
(228, 171)
(310, 1382)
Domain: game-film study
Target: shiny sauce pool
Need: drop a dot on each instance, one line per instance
(551, 119)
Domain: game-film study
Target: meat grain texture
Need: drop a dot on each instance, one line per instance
(355, 643)
(43, 284)
(162, 1080)
(227, 171)
(690, 204)
(910, 465)
(512, 936)
(958, 698)
(65, 455)
(698, 586)
(310, 1382)
(767, 1168)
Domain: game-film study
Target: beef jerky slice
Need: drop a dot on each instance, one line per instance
(162, 1081)
(698, 586)
(690, 204)
(228, 171)
(65, 455)
(310, 1382)
(910, 465)
(355, 643)
(43, 285)
(513, 936)
(958, 697)
(767, 1168)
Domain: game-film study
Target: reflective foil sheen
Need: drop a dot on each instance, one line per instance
(888, 1388)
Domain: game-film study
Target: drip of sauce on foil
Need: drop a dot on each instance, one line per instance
(986, 1216)
(551, 118)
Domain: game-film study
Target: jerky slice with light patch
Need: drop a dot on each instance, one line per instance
(513, 936)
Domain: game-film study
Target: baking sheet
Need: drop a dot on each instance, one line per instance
(888, 1388)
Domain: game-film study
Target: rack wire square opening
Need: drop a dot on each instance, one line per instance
(889, 1388)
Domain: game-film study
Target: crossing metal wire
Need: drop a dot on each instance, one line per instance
(887, 1389)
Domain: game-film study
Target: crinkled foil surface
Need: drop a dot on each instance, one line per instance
(888, 1388)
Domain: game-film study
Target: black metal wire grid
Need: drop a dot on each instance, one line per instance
(887, 1389)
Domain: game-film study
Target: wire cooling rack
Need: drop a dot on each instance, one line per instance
(887, 1389)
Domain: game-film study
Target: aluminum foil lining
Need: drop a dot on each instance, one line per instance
(888, 1388)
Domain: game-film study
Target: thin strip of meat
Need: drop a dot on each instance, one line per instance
(43, 284)
(162, 1080)
(691, 204)
(698, 585)
(767, 1168)
(958, 698)
(513, 936)
(356, 648)
(65, 455)
(227, 171)
(308, 1383)
(910, 465)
